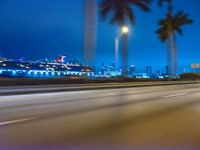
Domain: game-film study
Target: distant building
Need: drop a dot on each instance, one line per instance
(103, 68)
(148, 70)
(111, 67)
(132, 70)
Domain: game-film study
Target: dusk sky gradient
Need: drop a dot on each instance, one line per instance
(38, 29)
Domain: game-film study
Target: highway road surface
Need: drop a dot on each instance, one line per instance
(137, 118)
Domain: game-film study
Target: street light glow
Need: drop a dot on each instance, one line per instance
(125, 30)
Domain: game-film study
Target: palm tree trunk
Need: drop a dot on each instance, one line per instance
(169, 67)
(170, 40)
(124, 55)
(90, 23)
(175, 54)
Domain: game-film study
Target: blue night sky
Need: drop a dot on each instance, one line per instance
(37, 29)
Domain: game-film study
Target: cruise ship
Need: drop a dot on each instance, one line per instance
(42, 69)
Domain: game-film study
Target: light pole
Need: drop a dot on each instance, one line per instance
(116, 52)
(124, 31)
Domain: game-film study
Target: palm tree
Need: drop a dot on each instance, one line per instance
(168, 34)
(120, 12)
(173, 24)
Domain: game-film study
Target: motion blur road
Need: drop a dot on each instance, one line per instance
(138, 118)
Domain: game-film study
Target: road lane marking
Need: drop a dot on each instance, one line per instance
(175, 95)
(16, 121)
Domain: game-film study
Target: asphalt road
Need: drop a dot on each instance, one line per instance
(31, 89)
(139, 118)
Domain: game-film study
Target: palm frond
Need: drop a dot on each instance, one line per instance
(142, 4)
(181, 19)
(121, 11)
(172, 24)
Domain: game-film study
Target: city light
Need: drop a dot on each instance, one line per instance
(99, 74)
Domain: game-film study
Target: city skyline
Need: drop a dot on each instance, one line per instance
(99, 75)
(46, 32)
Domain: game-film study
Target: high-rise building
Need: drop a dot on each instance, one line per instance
(148, 70)
(132, 70)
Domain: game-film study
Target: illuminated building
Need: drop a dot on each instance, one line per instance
(40, 69)
(132, 70)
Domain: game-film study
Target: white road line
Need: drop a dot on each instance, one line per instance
(15, 121)
(175, 95)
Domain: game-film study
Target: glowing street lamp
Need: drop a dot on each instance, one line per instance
(124, 30)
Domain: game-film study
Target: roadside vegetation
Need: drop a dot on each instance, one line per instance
(81, 80)
(190, 76)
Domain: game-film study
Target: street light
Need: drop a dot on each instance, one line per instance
(124, 30)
